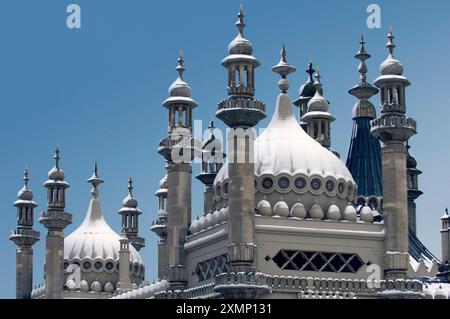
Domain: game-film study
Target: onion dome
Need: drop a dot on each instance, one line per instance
(25, 194)
(180, 91)
(446, 216)
(281, 209)
(318, 103)
(366, 214)
(264, 208)
(316, 212)
(56, 173)
(350, 213)
(391, 66)
(334, 213)
(308, 90)
(298, 211)
(94, 246)
(130, 201)
(240, 45)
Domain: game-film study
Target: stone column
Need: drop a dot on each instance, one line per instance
(241, 203)
(208, 202)
(179, 177)
(54, 269)
(395, 210)
(24, 272)
(162, 258)
(124, 283)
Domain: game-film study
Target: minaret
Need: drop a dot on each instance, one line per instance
(444, 270)
(241, 112)
(212, 162)
(124, 283)
(55, 219)
(177, 149)
(24, 237)
(317, 118)
(393, 128)
(306, 93)
(159, 227)
(130, 218)
(412, 174)
(364, 156)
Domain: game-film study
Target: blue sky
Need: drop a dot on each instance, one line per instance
(98, 92)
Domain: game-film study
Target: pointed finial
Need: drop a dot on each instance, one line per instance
(211, 125)
(318, 76)
(283, 69)
(446, 211)
(95, 180)
(390, 44)
(25, 178)
(310, 70)
(57, 156)
(240, 22)
(180, 69)
(130, 186)
(362, 56)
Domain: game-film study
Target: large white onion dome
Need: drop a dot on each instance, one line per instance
(391, 66)
(94, 247)
(292, 167)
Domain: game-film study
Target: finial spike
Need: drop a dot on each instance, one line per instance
(180, 68)
(57, 156)
(240, 22)
(283, 54)
(25, 178)
(390, 44)
(95, 180)
(130, 186)
(95, 169)
(310, 70)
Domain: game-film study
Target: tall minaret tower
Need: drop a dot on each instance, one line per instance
(177, 149)
(24, 236)
(413, 188)
(317, 118)
(55, 219)
(393, 128)
(159, 227)
(130, 218)
(306, 93)
(212, 162)
(364, 156)
(241, 112)
(444, 270)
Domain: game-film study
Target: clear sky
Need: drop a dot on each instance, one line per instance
(98, 91)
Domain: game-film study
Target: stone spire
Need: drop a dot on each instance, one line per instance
(124, 283)
(364, 156)
(212, 162)
(159, 227)
(444, 269)
(318, 120)
(24, 237)
(393, 128)
(130, 218)
(55, 219)
(306, 93)
(178, 149)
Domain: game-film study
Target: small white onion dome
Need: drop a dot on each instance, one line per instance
(195, 226)
(209, 221)
(71, 285)
(240, 45)
(316, 212)
(109, 287)
(391, 66)
(318, 103)
(25, 194)
(334, 213)
(215, 218)
(264, 208)
(281, 209)
(366, 214)
(350, 213)
(180, 88)
(298, 211)
(84, 286)
(56, 174)
(223, 215)
(96, 286)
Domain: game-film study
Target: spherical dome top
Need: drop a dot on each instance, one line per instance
(25, 194)
(318, 103)
(130, 202)
(307, 90)
(56, 174)
(391, 66)
(292, 167)
(180, 88)
(240, 45)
